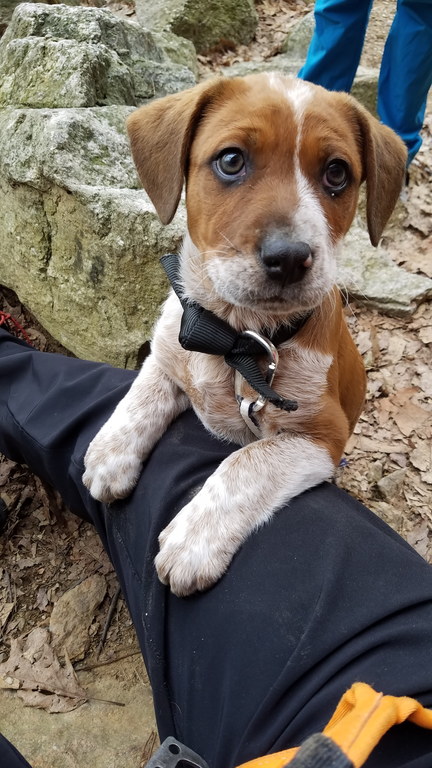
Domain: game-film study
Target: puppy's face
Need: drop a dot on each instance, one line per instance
(273, 167)
(272, 186)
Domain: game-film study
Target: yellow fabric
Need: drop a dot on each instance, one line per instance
(361, 718)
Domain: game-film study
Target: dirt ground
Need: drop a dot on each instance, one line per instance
(45, 551)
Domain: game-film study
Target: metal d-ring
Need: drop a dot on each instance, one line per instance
(249, 407)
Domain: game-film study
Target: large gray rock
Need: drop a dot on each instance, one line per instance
(66, 147)
(368, 275)
(298, 39)
(79, 239)
(7, 8)
(207, 23)
(82, 241)
(178, 49)
(56, 56)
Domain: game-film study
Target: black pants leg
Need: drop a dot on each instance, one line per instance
(323, 596)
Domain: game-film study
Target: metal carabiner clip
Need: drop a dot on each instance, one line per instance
(249, 407)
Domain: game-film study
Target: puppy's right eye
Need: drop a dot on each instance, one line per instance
(230, 164)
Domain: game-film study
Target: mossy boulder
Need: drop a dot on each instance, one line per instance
(298, 39)
(208, 23)
(7, 8)
(178, 49)
(79, 239)
(60, 56)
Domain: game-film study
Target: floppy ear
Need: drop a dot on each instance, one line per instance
(160, 135)
(384, 168)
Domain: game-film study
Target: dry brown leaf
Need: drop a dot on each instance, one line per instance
(399, 459)
(419, 538)
(396, 347)
(5, 611)
(34, 670)
(370, 445)
(410, 418)
(419, 209)
(73, 614)
(351, 444)
(6, 467)
(421, 457)
(383, 409)
(424, 373)
(421, 258)
(364, 341)
(404, 395)
(43, 512)
(42, 599)
(27, 562)
(425, 334)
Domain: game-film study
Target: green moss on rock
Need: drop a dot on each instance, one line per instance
(58, 56)
(207, 23)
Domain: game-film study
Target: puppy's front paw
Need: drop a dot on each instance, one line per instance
(193, 553)
(112, 467)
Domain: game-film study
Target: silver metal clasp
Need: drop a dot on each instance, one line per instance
(247, 406)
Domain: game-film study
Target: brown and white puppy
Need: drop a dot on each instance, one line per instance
(273, 167)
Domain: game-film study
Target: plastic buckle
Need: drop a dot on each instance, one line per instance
(174, 754)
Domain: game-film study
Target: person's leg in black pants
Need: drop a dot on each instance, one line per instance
(323, 596)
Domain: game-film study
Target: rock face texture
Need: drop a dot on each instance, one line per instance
(206, 22)
(58, 56)
(7, 8)
(369, 275)
(79, 239)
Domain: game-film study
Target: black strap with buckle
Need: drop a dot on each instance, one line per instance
(202, 331)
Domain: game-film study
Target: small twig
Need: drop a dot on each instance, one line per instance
(107, 701)
(11, 600)
(9, 586)
(34, 685)
(149, 748)
(89, 667)
(108, 620)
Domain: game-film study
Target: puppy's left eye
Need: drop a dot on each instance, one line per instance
(336, 176)
(230, 164)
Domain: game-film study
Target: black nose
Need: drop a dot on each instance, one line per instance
(285, 260)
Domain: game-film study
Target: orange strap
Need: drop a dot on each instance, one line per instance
(361, 718)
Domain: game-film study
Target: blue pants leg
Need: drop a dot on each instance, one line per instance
(406, 69)
(406, 72)
(337, 43)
